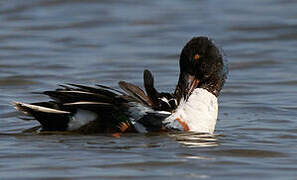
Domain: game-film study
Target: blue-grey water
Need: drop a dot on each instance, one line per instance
(48, 42)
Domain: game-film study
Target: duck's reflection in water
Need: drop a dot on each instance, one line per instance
(194, 139)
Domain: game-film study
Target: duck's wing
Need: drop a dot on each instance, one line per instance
(160, 101)
(98, 109)
(135, 92)
(75, 106)
(152, 93)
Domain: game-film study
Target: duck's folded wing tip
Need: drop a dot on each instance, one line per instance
(19, 107)
(26, 108)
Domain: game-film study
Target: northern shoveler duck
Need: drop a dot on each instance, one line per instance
(192, 107)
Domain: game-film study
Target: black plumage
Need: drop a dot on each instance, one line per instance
(201, 66)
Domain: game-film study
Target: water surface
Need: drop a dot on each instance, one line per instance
(50, 42)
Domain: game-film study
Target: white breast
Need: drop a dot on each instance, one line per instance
(199, 112)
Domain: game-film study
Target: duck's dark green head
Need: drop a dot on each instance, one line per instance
(201, 66)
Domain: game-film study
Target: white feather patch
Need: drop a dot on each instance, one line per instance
(86, 102)
(76, 92)
(18, 106)
(81, 118)
(199, 112)
(164, 99)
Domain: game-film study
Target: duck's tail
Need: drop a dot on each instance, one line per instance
(50, 119)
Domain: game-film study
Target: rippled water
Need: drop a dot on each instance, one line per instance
(49, 42)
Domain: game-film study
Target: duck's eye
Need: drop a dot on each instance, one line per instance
(196, 57)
